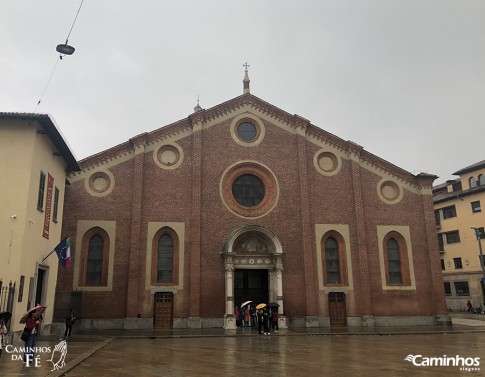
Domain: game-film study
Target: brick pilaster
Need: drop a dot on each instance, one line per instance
(135, 254)
(436, 293)
(306, 228)
(195, 218)
(364, 290)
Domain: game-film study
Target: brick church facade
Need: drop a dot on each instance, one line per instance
(244, 201)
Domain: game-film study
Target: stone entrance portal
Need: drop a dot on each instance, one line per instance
(252, 253)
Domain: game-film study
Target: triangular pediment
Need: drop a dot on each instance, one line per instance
(238, 106)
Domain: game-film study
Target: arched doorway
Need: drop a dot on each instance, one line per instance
(254, 267)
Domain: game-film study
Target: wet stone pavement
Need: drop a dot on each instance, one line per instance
(240, 353)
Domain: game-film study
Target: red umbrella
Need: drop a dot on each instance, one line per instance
(37, 312)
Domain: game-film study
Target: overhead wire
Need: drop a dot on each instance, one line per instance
(57, 60)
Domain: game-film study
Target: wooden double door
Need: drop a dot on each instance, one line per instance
(337, 309)
(163, 310)
(250, 284)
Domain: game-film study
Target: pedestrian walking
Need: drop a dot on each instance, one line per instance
(275, 320)
(259, 315)
(30, 337)
(247, 316)
(266, 321)
(252, 312)
(70, 318)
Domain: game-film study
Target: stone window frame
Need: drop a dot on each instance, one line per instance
(175, 257)
(255, 121)
(403, 234)
(84, 257)
(259, 170)
(343, 272)
(403, 259)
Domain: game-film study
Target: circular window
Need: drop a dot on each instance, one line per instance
(389, 192)
(100, 183)
(248, 190)
(326, 163)
(168, 156)
(247, 131)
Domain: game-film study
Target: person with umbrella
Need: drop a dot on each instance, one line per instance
(30, 326)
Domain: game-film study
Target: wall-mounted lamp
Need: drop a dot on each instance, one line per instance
(13, 217)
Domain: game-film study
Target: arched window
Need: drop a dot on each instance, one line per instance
(473, 182)
(481, 180)
(165, 259)
(332, 261)
(94, 258)
(393, 261)
(396, 259)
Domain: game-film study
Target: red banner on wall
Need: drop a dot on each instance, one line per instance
(48, 205)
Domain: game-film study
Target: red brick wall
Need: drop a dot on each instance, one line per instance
(190, 193)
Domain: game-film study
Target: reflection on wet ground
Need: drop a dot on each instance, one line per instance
(317, 355)
(309, 352)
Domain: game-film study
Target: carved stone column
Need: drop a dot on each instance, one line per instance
(229, 318)
(279, 290)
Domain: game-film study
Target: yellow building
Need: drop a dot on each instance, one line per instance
(34, 161)
(459, 212)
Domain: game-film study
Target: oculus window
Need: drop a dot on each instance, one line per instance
(247, 131)
(248, 190)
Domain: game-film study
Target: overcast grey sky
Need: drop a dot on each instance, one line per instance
(404, 79)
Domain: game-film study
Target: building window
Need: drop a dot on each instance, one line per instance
(449, 212)
(452, 237)
(437, 217)
(457, 186)
(94, 258)
(447, 288)
(441, 243)
(94, 267)
(458, 263)
(396, 259)
(40, 196)
(476, 206)
(334, 259)
(393, 261)
(481, 233)
(247, 131)
(473, 182)
(165, 259)
(165, 254)
(481, 180)
(461, 288)
(442, 264)
(248, 190)
(56, 204)
(481, 260)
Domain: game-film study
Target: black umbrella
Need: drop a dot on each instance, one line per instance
(273, 305)
(5, 316)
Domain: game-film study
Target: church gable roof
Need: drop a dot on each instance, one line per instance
(247, 102)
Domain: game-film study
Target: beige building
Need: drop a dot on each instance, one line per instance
(34, 162)
(459, 212)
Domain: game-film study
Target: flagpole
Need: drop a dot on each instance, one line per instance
(48, 255)
(53, 250)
